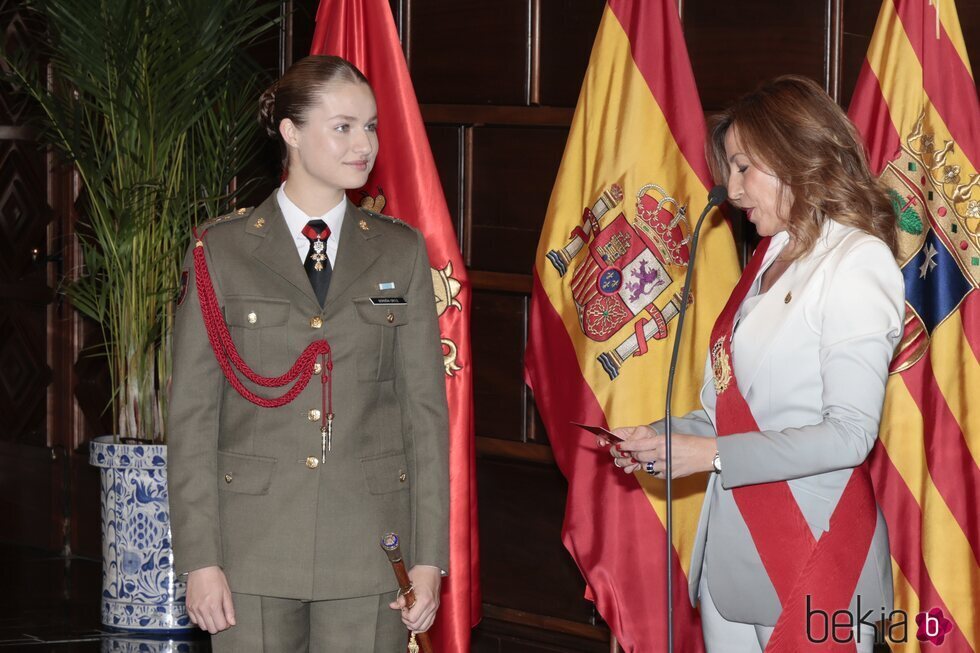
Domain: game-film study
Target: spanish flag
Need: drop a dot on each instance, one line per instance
(607, 281)
(916, 104)
(405, 184)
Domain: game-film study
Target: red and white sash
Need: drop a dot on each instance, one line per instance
(797, 564)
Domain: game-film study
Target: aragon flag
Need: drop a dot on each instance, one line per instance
(916, 104)
(405, 184)
(607, 281)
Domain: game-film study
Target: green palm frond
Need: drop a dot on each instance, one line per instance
(153, 104)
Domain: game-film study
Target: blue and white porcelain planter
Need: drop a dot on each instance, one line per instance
(140, 590)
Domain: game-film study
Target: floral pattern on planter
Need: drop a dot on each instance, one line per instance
(140, 590)
(128, 645)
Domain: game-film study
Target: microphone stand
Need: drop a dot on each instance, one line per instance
(717, 195)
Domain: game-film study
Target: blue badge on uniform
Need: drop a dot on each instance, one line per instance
(386, 285)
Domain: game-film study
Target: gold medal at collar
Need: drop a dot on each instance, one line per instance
(721, 366)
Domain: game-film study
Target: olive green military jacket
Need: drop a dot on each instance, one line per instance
(247, 491)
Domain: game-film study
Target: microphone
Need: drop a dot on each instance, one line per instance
(716, 196)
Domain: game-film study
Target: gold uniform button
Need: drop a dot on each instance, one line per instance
(390, 317)
(317, 368)
(312, 462)
(313, 415)
(252, 318)
(316, 322)
(403, 477)
(228, 478)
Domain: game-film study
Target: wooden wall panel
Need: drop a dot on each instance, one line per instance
(735, 45)
(497, 338)
(30, 471)
(524, 565)
(514, 169)
(24, 293)
(969, 13)
(566, 31)
(858, 24)
(536, 432)
(470, 51)
(498, 635)
(446, 142)
(300, 26)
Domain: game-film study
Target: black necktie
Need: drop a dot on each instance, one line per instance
(317, 264)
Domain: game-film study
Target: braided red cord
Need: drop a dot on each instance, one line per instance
(227, 354)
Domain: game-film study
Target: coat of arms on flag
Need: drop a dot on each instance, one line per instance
(625, 269)
(916, 105)
(939, 236)
(610, 264)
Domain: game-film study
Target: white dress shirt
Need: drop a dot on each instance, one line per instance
(296, 220)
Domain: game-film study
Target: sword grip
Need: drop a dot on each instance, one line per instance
(392, 549)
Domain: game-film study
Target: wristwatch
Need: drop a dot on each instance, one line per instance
(716, 463)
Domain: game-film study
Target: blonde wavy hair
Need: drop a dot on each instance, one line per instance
(794, 128)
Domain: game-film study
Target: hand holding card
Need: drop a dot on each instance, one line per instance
(602, 433)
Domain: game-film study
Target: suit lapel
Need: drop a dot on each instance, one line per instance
(275, 247)
(788, 295)
(768, 318)
(355, 254)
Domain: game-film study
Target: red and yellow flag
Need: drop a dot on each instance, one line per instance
(916, 104)
(608, 276)
(405, 184)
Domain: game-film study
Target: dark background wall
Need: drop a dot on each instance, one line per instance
(497, 80)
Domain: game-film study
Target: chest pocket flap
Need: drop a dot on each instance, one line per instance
(377, 338)
(386, 473)
(245, 474)
(255, 312)
(382, 314)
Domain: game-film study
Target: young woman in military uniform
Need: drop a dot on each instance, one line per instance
(278, 505)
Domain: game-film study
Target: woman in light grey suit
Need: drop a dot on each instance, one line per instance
(811, 331)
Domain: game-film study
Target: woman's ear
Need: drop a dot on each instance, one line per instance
(289, 132)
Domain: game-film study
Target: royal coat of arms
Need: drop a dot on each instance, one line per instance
(624, 269)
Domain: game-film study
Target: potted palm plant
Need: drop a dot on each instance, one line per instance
(152, 103)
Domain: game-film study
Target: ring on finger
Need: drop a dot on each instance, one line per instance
(650, 469)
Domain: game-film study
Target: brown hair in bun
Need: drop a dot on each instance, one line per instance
(295, 93)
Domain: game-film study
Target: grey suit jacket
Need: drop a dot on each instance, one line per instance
(242, 494)
(812, 361)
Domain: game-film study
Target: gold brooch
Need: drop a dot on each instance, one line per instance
(721, 366)
(363, 225)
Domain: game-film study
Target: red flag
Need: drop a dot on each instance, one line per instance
(404, 183)
(610, 266)
(916, 105)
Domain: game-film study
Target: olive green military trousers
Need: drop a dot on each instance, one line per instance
(273, 625)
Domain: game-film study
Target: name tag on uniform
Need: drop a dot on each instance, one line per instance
(380, 301)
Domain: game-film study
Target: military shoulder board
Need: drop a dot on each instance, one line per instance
(234, 215)
(382, 216)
